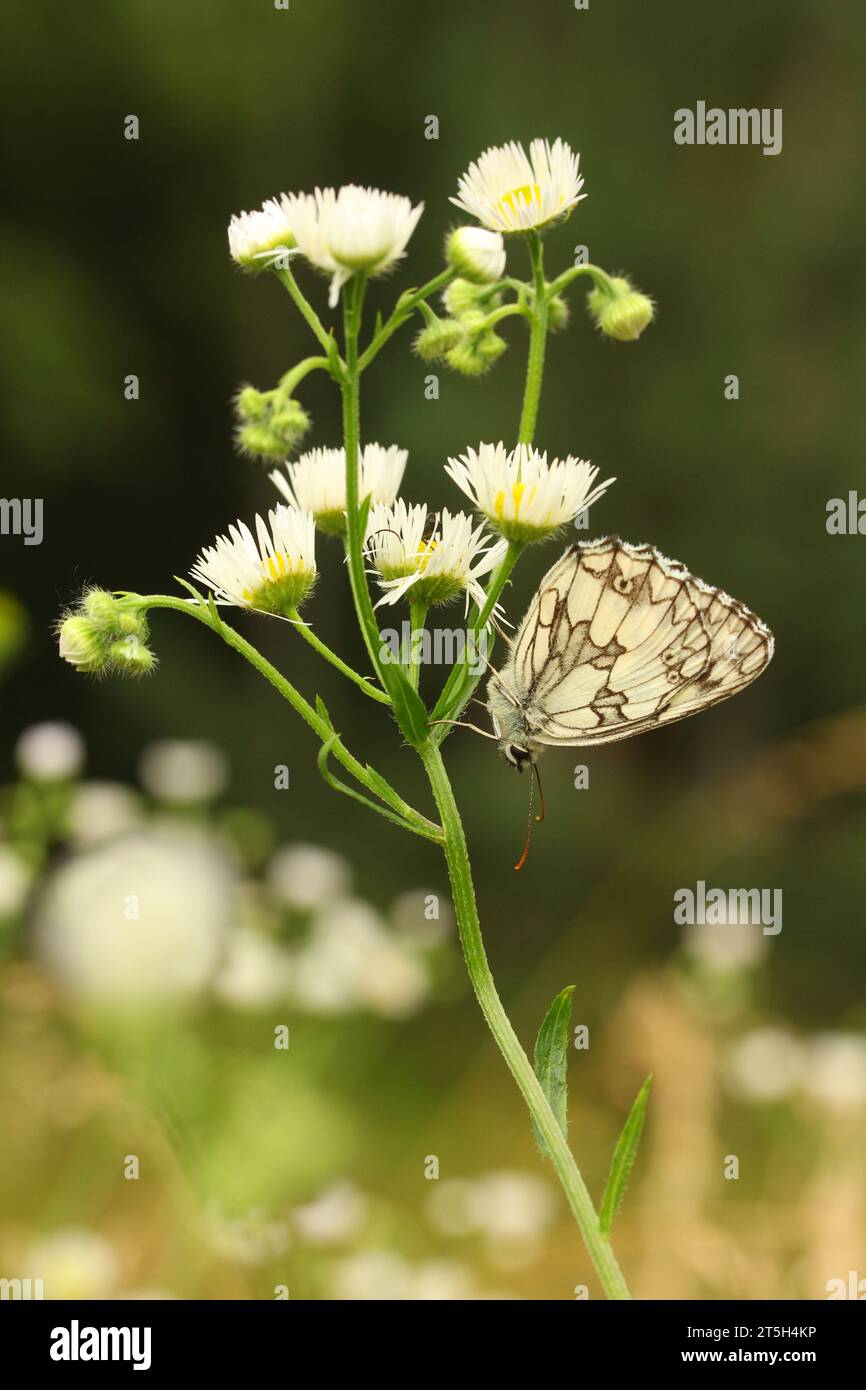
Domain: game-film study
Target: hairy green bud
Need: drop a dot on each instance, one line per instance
(82, 644)
(621, 311)
(461, 296)
(558, 313)
(438, 338)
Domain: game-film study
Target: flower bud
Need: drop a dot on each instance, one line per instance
(106, 634)
(476, 356)
(438, 338)
(260, 441)
(476, 254)
(101, 609)
(270, 424)
(130, 657)
(82, 644)
(621, 311)
(290, 421)
(558, 313)
(460, 297)
(490, 347)
(251, 404)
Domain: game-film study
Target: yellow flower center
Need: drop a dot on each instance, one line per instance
(274, 568)
(510, 202)
(515, 497)
(425, 550)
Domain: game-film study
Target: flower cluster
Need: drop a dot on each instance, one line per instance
(270, 423)
(104, 635)
(341, 232)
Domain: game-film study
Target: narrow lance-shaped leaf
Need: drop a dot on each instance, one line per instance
(551, 1062)
(623, 1159)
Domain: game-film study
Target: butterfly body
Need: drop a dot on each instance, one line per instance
(619, 640)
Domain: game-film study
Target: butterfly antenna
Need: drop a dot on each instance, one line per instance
(462, 724)
(500, 682)
(525, 855)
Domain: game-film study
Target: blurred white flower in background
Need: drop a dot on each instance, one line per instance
(15, 879)
(725, 947)
(386, 1276)
(183, 772)
(249, 1239)
(256, 970)
(50, 752)
(412, 915)
(765, 1064)
(306, 876)
(835, 1070)
(99, 811)
(336, 1215)
(351, 960)
(512, 1211)
(143, 918)
(74, 1264)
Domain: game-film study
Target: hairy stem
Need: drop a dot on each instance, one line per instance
(461, 683)
(537, 341)
(403, 310)
(353, 298)
(373, 781)
(417, 619)
(460, 873)
(304, 630)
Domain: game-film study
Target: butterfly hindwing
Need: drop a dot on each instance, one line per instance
(620, 639)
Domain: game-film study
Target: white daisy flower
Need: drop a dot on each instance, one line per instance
(257, 239)
(272, 571)
(509, 192)
(524, 497)
(353, 229)
(476, 255)
(435, 555)
(317, 482)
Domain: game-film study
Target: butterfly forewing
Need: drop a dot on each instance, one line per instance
(620, 639)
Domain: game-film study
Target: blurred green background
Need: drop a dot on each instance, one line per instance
(114, 260)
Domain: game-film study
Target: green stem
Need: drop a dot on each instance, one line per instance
(352, 300)
(417, 619)
(460, 873)
(323, 730)
(601, 278)
(497, 315)
(287, 279)
(295, 375)
(304, 630)
(403, 310)
(537, 341)
(461, 683)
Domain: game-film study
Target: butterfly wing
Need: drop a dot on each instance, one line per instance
(620, 639)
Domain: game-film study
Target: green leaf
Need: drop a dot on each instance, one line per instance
(623, 1159)
(322, 712)
(336, 785)
(551, 1062)
(409, 709)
